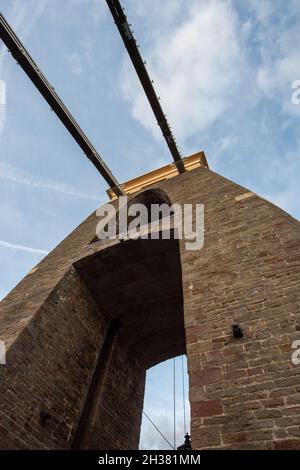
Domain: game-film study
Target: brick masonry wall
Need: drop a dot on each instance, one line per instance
(244, 393)
(49, 368)
(119, 412)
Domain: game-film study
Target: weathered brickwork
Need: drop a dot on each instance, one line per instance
(49, 368)
(119, 413)
(244, 393)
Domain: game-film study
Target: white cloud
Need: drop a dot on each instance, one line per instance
(208, 62)
(13, 246)
(197, 67)
(12, 174)
(275, 79)
(279, 49)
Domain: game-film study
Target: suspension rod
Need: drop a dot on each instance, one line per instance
(19, 52)
(138, 63)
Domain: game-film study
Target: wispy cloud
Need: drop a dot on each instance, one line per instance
(76, 64)
(21, 21)
(12, 174)
(2, 104)
(284, 176)
(13, 246)
(279, 49)
(81, 57)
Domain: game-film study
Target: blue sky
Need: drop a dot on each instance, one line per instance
(224, 71)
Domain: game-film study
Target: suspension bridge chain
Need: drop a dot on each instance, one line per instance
(31, 69)
(147, 84)
(144, 413)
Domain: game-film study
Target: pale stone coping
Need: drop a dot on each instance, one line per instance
(245, 196)
(154, 227)
(169, 171)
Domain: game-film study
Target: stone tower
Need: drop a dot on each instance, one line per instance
(84, 325)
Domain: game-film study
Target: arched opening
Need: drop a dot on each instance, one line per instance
(150, 197)
(156, 206)
(151, 200)
(140, 283)
(166, 413)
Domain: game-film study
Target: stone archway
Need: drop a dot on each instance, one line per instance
(139, 282)
(244, 393)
